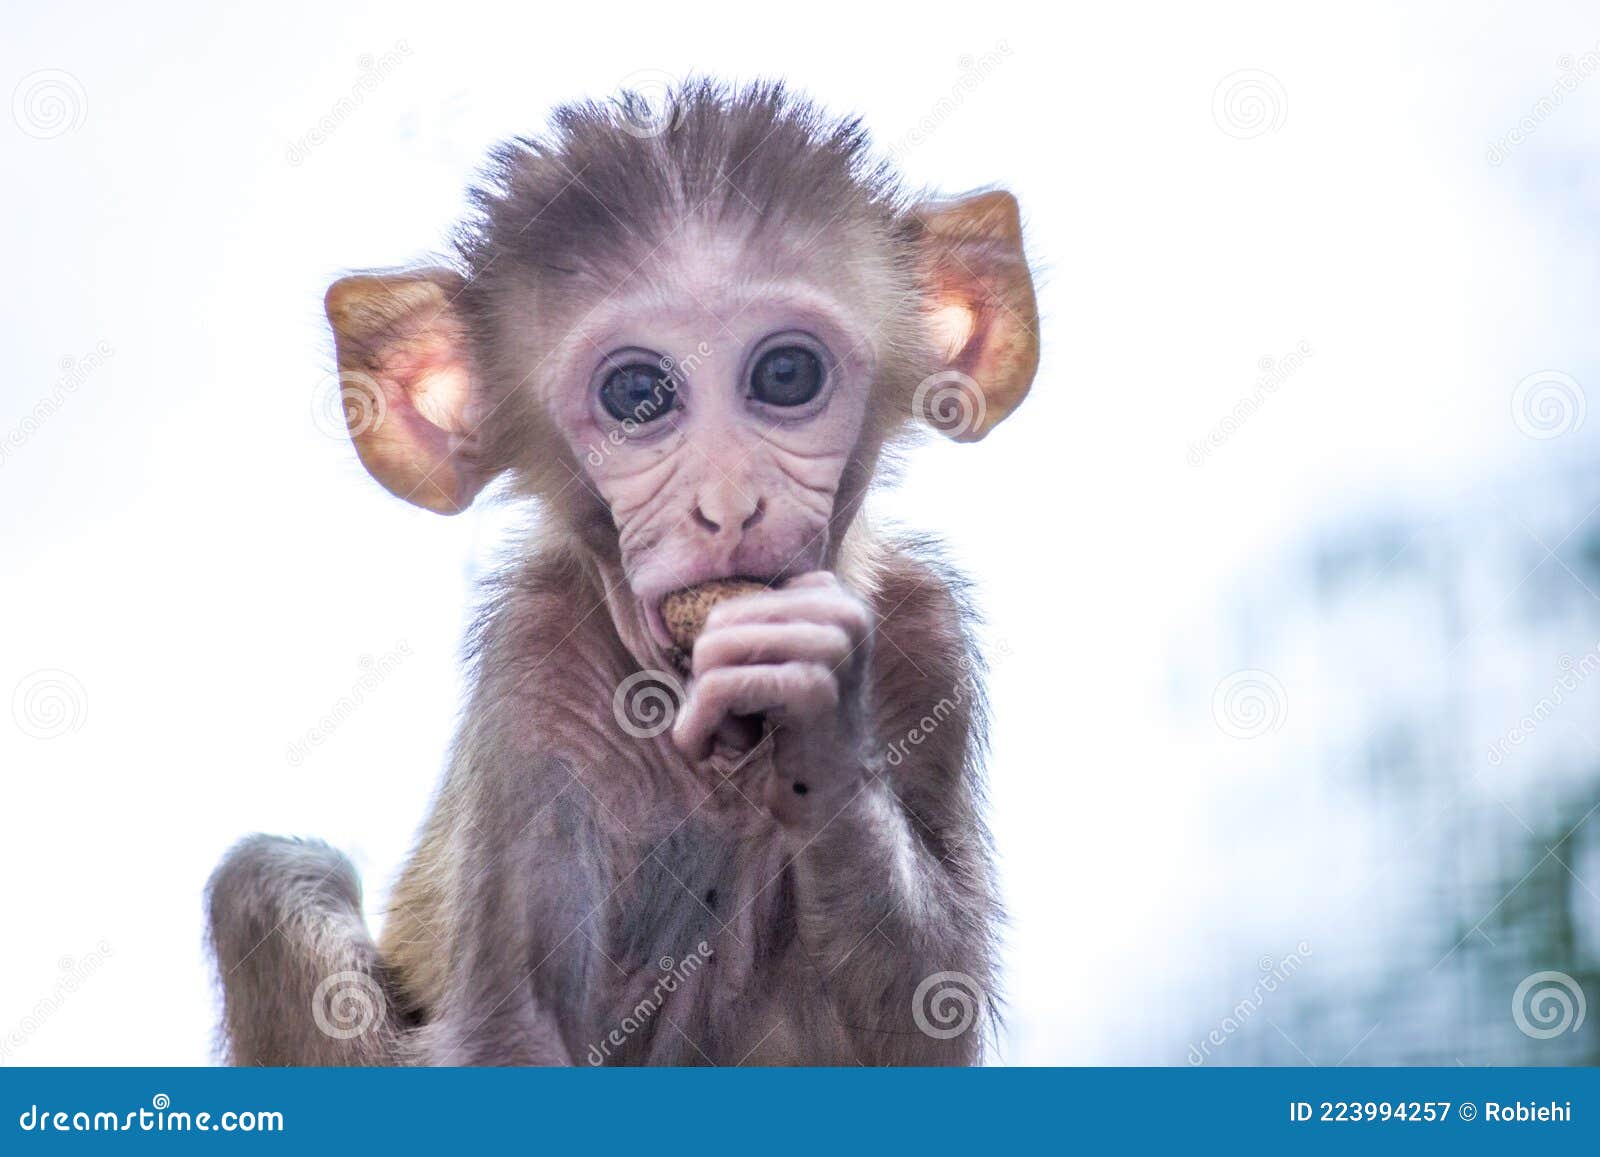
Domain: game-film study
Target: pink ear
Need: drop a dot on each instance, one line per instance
(404, 369)
(982, 312)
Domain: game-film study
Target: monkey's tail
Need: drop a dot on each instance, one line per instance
(302, 981)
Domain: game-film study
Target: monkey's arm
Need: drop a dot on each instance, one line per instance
(897, 931)
(888, 851)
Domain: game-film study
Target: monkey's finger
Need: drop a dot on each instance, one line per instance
(745, 643)
(812, 605)
(802, 689)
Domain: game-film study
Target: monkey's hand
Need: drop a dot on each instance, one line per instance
(798, 655)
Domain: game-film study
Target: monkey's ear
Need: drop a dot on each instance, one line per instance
(983, 311)
(406, 379)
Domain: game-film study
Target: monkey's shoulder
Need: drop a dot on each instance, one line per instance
(544, 634)
(927, 682)
(923, 604)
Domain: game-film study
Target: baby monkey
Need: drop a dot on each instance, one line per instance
(670, 831)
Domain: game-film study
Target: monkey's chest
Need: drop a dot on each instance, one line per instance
(692, 954)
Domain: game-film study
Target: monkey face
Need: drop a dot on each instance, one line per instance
(716, 429)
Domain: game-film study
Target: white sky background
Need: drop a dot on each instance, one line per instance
(211, 568)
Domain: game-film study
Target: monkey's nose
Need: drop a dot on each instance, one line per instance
(728, 506)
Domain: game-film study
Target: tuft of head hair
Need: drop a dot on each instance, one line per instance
(614, 180)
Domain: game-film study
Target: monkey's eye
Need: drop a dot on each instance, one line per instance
(790, 375)
(638, 392)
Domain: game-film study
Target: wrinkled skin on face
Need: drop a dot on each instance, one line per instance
(705, 478)
(722, 483)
